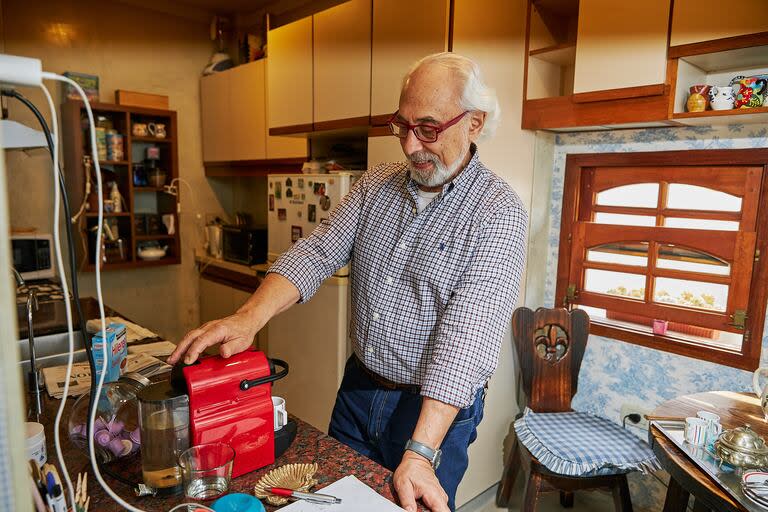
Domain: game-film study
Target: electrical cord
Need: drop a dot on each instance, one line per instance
(68, 228)
(100, 299)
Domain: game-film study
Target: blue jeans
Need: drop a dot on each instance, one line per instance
(377, 423)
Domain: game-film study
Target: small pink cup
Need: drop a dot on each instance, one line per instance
(660, 327)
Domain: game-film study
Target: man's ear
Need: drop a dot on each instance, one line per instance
(476, 123)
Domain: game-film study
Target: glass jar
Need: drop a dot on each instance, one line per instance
(116, 432)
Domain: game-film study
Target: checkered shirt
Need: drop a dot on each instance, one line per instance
(432, 292)
(580, 444)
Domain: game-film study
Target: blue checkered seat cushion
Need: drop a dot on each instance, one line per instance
(581, 445)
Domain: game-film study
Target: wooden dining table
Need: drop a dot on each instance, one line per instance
(686, 478)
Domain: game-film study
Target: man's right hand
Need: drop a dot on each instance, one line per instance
(235, 333)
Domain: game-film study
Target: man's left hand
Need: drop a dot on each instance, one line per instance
(415, 479)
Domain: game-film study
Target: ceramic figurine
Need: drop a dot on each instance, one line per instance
(721, 98)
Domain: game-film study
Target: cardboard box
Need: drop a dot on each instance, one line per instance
(141, 99)
(117, 351)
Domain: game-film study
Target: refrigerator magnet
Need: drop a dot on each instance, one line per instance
(311, 213)
(288, 192)
(282, 214)
(300, 182)
(295, 233)
(278, 190)
(271, 202)
(325, 203)
(288, 182)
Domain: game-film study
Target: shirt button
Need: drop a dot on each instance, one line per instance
(390, 280)
(371, 350)
(376, 316)
(403, 245)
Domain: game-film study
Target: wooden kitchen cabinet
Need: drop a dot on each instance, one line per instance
(342, 64)
(247, 128)
(397, 42)
(621, 51)
(214, 113)
(289, 76)
(384, 149)
(697, 21)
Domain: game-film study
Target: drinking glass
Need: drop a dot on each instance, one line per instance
(206, 470)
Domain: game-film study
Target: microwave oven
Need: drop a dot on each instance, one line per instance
(246, 245)
(32, 255)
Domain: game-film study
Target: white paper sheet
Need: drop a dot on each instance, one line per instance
(355, 497)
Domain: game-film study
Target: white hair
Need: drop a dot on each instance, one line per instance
(476, 95)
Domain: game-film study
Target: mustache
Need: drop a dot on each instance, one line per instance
(419, 157)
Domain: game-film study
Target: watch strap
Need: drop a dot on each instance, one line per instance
(433, 456)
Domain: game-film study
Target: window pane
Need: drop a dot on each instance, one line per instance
(693, 197)
(691, 260)
(624, 220)
(692, 294)
(625, 253)
(615, 283)
(643, 195)
(682, 222)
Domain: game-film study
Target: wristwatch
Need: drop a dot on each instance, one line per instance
(433, 456)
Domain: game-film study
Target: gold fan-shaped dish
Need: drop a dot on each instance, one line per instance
(299, 477)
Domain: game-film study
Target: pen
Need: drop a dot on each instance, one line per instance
(308, 496)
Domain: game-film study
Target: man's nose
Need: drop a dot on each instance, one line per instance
(411, 144)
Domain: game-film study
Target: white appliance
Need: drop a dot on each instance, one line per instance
(298, 202)
(313, 337)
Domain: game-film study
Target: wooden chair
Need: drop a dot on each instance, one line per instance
(550, 345)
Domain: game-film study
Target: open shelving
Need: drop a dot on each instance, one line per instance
(140, 203)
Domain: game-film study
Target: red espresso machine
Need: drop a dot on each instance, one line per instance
(230, 401)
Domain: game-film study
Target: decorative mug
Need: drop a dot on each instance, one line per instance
(721, 98)
(750, 93)
(697, 101)
(139, 129)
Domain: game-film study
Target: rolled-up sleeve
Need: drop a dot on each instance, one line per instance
(472, 326)
(313, 259)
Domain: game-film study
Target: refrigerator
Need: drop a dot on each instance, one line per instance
(313, 338)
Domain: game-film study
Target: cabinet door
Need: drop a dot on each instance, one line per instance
(283, 147)
(618, 51)
(290, 74)
(216, 300)
(694, 21)
(399, 41)
(214, 114)
(342, 61)
(247, 129)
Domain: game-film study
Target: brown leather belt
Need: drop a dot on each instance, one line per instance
(386, 383)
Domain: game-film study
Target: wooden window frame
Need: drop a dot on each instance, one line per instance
(574, 191)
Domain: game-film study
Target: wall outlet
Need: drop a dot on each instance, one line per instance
(629, 408)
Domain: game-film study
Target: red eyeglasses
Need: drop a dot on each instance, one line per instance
(423, 132)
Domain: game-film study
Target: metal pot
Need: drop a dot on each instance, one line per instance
(742, 447)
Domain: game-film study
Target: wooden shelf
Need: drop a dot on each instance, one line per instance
(165, 140)
(561, 54)
(75, 141)
(736, 115)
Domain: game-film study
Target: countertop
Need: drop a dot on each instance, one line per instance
(334, 460)
(51, 317)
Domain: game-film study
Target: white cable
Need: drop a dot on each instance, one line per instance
(64, 287)
(100, 300)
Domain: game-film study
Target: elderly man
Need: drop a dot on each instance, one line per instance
(436, 246)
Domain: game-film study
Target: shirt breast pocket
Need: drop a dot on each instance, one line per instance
(437, 266)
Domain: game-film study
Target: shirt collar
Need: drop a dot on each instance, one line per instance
(463, 177)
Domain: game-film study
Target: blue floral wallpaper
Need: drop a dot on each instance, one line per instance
(613, 372)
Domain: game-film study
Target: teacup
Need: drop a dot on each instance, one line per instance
(280, 414)
(695, 431)
(714, 428)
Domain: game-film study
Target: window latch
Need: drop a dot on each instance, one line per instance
(739, 318)
(570, 295)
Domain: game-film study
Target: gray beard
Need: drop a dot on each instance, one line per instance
(437, 177)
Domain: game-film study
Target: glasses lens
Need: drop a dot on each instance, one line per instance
(425, 133)
(398, 130)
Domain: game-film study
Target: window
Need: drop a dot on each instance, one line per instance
(664, 250)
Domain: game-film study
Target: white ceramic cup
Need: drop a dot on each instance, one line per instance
(36, 443)
(695, 431)
(281, 415)
(714, 428)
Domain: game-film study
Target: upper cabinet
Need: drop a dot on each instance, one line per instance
(290, 75)
(233, 109)
(399, 41)
(622, 51)
(342, 62)
(696, 21)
